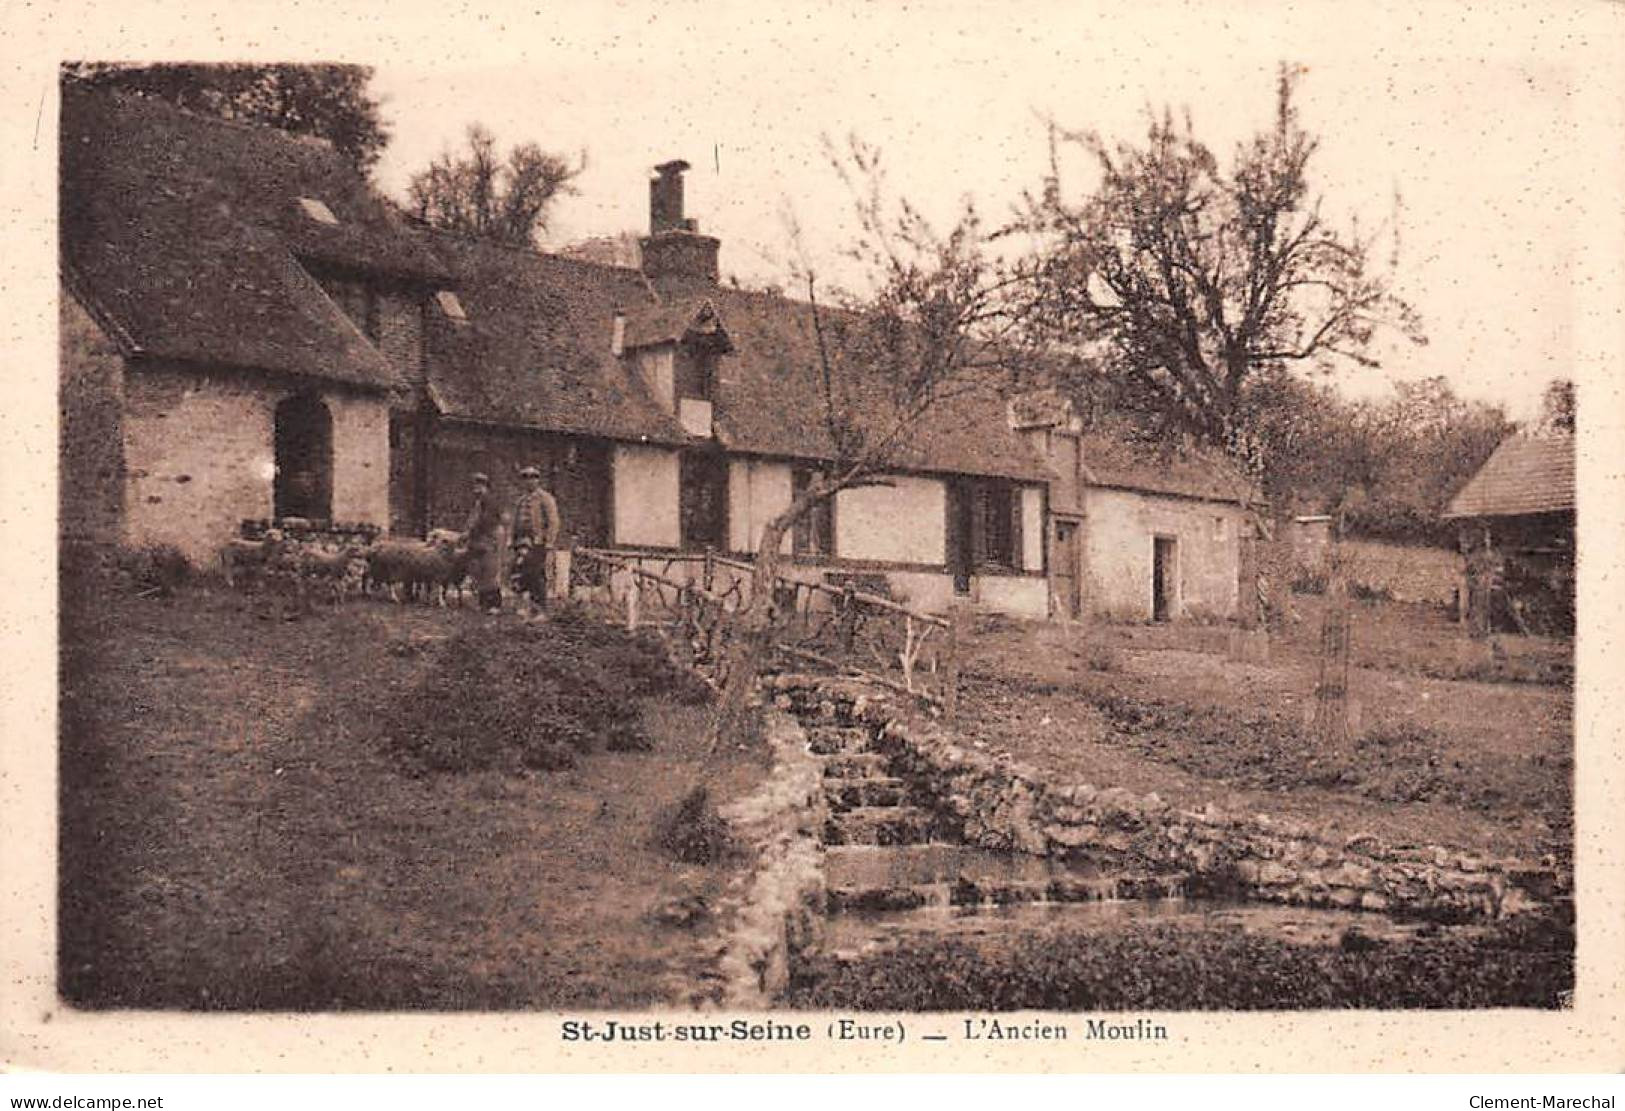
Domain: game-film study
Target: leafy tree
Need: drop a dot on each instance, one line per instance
(480, 194)
(1420, 447)
(1557, 407)
(329, 101)
(1193, 283)
(1388, 467)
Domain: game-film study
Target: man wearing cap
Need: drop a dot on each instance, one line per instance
(485, 546)
(535, 529)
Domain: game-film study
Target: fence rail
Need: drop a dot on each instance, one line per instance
(839, 629)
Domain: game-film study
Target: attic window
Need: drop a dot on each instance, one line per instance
(318, 211)
(450, 305)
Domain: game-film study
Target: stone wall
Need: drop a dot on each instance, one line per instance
(1001, 804)
(781, 908)
(199, 455)
(360, 458)
(1406, 572)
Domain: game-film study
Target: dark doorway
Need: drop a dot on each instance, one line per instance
(702, 501)
(1164, 577)
(1068, 598)
(961, 534)
(304, 459)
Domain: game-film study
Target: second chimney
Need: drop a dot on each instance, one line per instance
(666, 198)
(677, 259)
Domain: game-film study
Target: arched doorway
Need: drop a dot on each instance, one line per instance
(304, 458)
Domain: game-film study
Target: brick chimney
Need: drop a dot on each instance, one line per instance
(677, 259)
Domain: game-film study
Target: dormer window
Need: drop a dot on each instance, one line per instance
(695, 372)
(450, 305)
(318, 211)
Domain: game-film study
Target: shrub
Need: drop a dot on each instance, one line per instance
(504, 696)
(693, 832)
(1100, 657)
(159, 569)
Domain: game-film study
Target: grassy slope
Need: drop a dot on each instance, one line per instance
(234, 834)
(1483, 766)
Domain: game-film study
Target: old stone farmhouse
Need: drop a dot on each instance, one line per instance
(248, 331)
(1135, 534)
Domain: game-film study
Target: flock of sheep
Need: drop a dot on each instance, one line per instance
(338, 566)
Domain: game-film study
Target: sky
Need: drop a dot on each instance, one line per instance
(1457, 131)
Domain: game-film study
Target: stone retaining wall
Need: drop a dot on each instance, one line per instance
(1002, 804)
(781, 907)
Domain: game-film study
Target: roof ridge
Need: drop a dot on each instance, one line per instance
(415, 225)
(128, 97)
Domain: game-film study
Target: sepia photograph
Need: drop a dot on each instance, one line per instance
(951, 512)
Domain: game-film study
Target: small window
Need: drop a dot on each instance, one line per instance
(450, 305)
(318, 211)
(814, 533)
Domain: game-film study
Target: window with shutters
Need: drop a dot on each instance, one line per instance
(814, 533)
(984, 527)
(998, 508)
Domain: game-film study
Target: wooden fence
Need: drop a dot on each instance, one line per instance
(837, 629)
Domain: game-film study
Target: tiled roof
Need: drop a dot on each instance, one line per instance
(187, 232)
(1525, 474)
(536, 348)
(1112, 459)
(192, 237)
(769, 399)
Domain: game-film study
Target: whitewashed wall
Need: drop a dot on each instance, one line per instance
(758, 490)
(903, 522)
(645, 480)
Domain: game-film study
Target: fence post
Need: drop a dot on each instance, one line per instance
(950, 676)
(710, 569)
(1331, 713)
(849, 617)
(634, 590)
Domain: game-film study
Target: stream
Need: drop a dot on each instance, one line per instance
(896, 873)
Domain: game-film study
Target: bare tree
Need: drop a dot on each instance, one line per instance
(946, 320)
(1195, 284)
(1191, 282)
(481, 194)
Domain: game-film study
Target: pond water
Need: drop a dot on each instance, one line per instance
(857, 933)
(892, 877)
